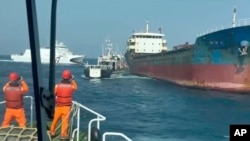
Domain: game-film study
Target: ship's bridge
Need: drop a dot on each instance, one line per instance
(147, 42)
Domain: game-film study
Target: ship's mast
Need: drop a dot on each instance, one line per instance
(234, 17)
(102, 49)
(146, 26)
(108, 48)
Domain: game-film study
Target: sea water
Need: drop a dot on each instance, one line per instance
(147, 109)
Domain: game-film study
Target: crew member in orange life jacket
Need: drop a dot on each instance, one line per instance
(63, 92)
(14, 91)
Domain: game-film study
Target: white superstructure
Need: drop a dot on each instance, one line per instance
(110, 57)
(147, 42)
(62, 55)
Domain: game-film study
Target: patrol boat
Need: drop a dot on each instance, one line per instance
(109, 64)
(44, 99)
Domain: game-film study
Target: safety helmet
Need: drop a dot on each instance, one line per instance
(13, 76)
(66, 74)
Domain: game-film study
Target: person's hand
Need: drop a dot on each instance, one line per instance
(20, 78)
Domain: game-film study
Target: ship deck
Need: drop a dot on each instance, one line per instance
(13, 133)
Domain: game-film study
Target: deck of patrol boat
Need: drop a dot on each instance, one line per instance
(15, 133)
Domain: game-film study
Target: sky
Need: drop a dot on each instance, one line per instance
(83, 25)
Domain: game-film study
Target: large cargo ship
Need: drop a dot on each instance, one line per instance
(219, 60)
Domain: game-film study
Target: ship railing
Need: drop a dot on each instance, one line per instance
(31, 108)
(99, 66)
(76, 131)
(92, 66)
(241, 22)
(115, 134)
(98, 119)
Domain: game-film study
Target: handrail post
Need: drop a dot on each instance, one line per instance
(98, 122)
(31, 110)
(78, 122)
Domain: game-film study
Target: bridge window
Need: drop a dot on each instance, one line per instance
(132, 43)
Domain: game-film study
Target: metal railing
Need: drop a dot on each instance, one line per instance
(98, 119)
(79, 106)
(98, 66)
(240, 22)
(115, 134)
(243, 22)
(31, 108)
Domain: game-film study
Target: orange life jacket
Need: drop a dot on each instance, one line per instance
(14, 97)
(64, 94)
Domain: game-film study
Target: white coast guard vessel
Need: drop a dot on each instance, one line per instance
(62, 55)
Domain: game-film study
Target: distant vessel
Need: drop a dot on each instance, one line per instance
(218, 60)
(108, 63)
(62, 56)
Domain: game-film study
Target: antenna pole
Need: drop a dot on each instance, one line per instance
(234, 17)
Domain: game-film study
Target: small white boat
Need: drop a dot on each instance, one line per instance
(62, 55)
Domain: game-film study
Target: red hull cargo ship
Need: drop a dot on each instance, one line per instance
(219, 60)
